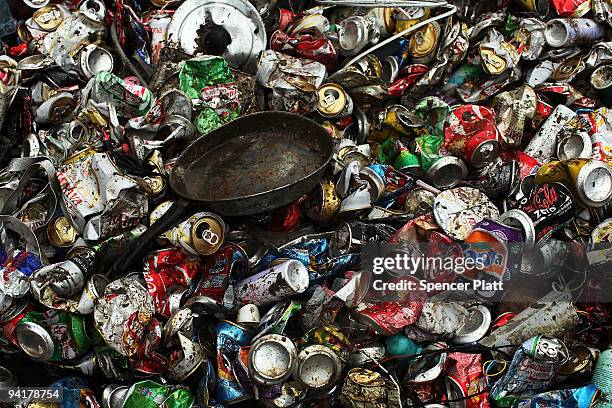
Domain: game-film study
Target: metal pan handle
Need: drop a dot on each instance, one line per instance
(139, 247)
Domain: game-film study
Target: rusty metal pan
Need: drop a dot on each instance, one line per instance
(255, 163)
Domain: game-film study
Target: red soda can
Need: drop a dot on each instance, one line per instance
(470, 132)
(464, 377)
(8, 324)
(307, 46)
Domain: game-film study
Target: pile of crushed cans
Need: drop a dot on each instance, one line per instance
(454, 123)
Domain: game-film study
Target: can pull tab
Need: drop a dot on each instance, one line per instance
(329, 99)
(209, 236)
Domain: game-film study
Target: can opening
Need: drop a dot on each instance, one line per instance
(99, 60)
(556, 33)
(331, 96)
(447, 176)
(573, 147)
(205, 232)
(297, 276)
(271, 360)
(601, 78)
(350, 36)
(598, 185)
(317, 370)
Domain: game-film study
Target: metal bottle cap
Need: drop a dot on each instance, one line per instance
(519, 219)
(35, 341)
(486, 152)
(475, 326)
(272, 359)
(332, 100)
(208, 234)
(318, 366)
(61, 233)
(447, 172)
(594, 183)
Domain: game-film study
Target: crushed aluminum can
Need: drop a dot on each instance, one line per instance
(272, 359)
(543, 146)
(318, 366)
(587, 395)
(549, 208)
(323, 204)
(101, 200)
(94, 60)
(351, 235)
(230, 337)
(52, 336)
(553, 314)
(61, 233)
(513, 108)
(388, 318)
(315, 48)
(475, 327)
(532, 370)
(571, 8)
(603, 372)
(458, 210)
(364, 388)
(158, 22)
(124, 316)
(334, 102)
(424, 374)
(601, 80)
(129, 99)
(465, 378)
(575, 31)
(367, 354)
(239, 20)
(589, 181)
(424, 42)
(287, 83)
(248, 315)
(601, 143)
(470, 133)
(574, 145)
(57, 109)
(191, 358)
(355, 33)
(271, 285)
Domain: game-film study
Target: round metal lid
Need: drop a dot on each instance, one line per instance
(318, 366)
(239, 19)
(35, 341)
